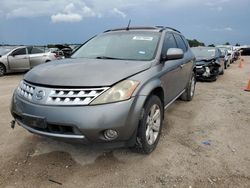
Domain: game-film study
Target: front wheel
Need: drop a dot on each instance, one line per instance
(222, 71)
(150, 126)
(190, 89)
(2, 70)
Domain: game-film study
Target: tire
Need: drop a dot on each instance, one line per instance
(2, 70)
(149, 129)
(190, 89)
(214, 78)
(222, 72)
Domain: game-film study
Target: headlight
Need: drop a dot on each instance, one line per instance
(120, 92)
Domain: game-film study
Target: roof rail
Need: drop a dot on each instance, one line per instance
(164, 27)
(131, 28)
(160, 28)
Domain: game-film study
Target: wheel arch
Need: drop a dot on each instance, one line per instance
(153, 87)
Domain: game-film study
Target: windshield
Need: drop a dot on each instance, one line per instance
(223, 51)
(4, 51)
(125, 45)
(206, 53)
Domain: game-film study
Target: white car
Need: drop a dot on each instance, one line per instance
(23, 58)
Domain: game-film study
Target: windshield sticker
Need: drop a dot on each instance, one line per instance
(142, 52)
(143, 38)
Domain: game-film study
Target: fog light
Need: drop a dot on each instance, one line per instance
(110, 134)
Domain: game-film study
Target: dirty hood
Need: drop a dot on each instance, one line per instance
(203, 61)
(84, 72)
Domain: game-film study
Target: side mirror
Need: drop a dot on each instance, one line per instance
(174, 53)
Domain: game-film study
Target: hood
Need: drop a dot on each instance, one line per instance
(84, 72)
(203, 61)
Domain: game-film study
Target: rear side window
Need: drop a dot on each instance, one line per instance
(180, 42)
(21, 51)
(36, 51)
(169, 42)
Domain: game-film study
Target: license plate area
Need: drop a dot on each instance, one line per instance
(35, 122)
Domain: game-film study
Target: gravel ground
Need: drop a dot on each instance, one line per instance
(205, 143)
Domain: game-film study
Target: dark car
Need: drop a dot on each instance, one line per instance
(113, 89)
(67, 50)
(210, 63)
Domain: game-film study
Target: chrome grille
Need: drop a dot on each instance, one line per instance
(74, 96)
(55, 96)
(26, 90)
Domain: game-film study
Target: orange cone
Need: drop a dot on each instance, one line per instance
(241, 63)
(248, 86)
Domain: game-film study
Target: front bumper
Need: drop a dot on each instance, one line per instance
(85, 123)
(206, 72)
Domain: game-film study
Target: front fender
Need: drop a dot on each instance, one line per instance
(149, 86)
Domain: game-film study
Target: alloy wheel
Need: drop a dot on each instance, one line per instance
(153, 124)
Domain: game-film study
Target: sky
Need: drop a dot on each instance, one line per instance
(41, 22)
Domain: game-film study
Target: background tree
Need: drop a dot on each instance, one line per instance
(227, 43)
(211, 45)
(195, 43)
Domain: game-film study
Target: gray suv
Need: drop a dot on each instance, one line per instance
(113, 89)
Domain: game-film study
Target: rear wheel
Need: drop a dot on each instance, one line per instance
(2, 70)
(222, 71)
(190, 89)
(225, 65)
(150, 126)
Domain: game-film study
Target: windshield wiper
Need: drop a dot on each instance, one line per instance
(106, 57)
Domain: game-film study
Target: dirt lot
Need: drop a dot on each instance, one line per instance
(219, 115)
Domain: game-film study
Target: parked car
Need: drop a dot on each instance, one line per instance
(227, 57)
(245, 50)
(21, 59)
(209, 63)
(230, 51)
(112, 91)
(236, 54)
(59, 53)
(67, 50)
